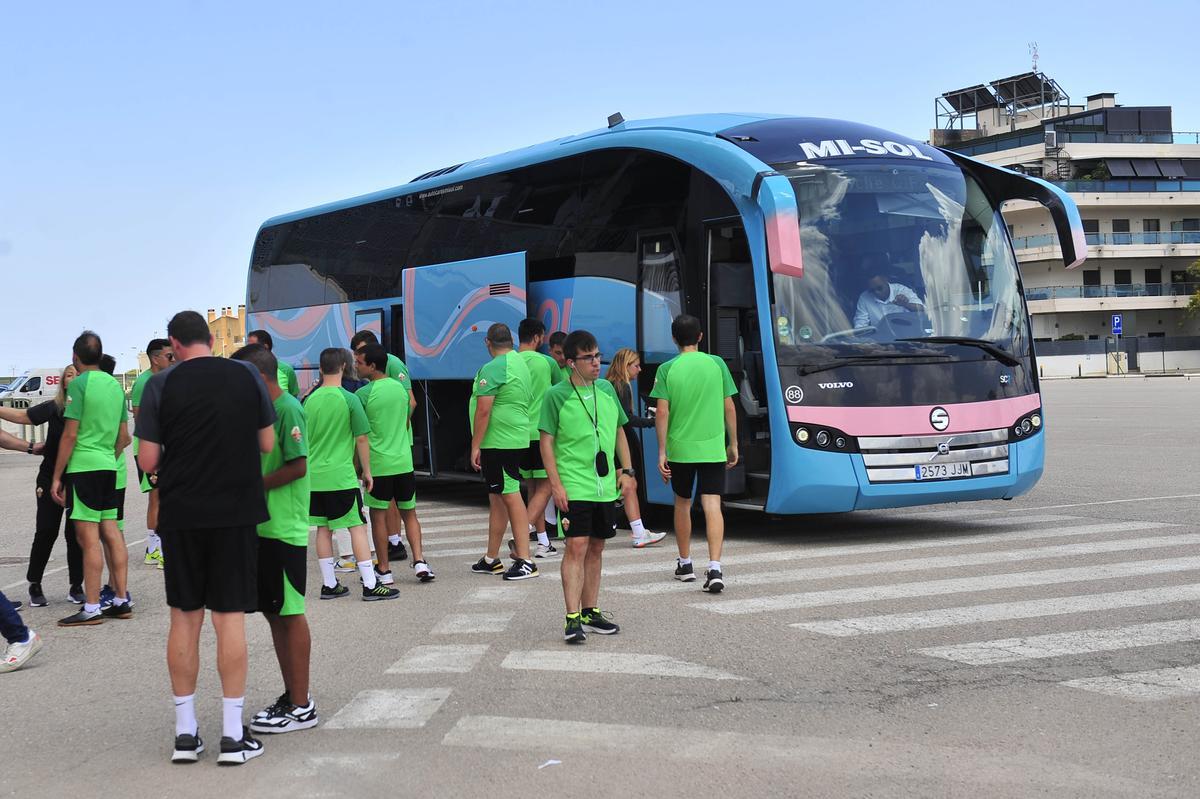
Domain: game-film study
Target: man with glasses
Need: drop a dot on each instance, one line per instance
(883, 297)
(161, 357)
(581, 431)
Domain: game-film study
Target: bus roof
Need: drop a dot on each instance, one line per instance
(754, 140)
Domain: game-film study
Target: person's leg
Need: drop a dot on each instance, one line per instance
(88, 534)
(46, 524)
(412, 532)
(118, 557)
(231, 666)
(536, 510)
(714, 523)
(183, 650)
(497, 521)
(381, 528)
(574, 558)
(152, 515)
(279, 639)
(360, 544)
(683, 526)
(324, 546)
(591, 573)
(293, 649)
(74, 555)
(518, 519)
(393, 526)
(11, 626)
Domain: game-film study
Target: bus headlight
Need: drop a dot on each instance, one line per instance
(822, 439)
(802, 435)
(1026, 426)
(1036, 419)
(839, 442)
(1018, 431)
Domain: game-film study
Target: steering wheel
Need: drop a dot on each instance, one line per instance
(850, 332)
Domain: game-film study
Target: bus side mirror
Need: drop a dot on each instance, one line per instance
(777, 199)
(1004, 184)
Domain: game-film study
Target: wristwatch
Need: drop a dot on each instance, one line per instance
(629, 472)
(30, 450)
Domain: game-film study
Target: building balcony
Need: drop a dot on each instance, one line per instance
(1128, 185)
(1112, 297)
(1112, 239)
(1037, 136)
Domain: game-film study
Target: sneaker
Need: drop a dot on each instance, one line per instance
(596, 621)
(345, 566)
(187, 748)
(385, 577)
(154, 558)
(482, 566)
(76, 596)
(335, 592)
(81, 619)
(532, 533)
(545, 551)
(107, 595)
(647, 540)
(397, 551)
(115, 611)
(16, 654)
(235, 753)
(684, 572)
(285, 717)
(284, 701)
(380, 591)
(423, 572)
(573, 630)
(521, 570)
(36, 598)
(713, 583)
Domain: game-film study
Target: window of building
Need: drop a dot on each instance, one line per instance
(1122, 277)
(1121, 235)
(1150, 230)
(1091, 282)
(1091, 230)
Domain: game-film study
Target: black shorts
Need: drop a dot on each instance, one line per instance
(590, 519)
(215, 569)
(337, 510)
(501, 470)
(147, 482)
(684, 476)
(532, 466)
(91, 496)
(282, 576)
(120, 504)
(399, 487)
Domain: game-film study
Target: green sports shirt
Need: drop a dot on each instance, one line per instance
(695, 384)
(97, 401)
(287, 504)
(584, 421)
(286, 376)
(397, 370)
(505, 377)
(335, 419)
(386, 404)
(543, 373)
(135, 397)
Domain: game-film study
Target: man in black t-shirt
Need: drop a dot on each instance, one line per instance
(202, 425)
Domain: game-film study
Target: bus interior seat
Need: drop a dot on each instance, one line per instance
(752, 376)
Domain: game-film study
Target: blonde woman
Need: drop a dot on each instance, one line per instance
(624, 369)
(49, 512)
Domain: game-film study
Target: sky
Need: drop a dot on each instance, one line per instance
(142, 144)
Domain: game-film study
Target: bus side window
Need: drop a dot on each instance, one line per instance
(661, 294)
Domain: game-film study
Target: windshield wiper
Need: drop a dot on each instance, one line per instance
(825, 366)
(999, 353)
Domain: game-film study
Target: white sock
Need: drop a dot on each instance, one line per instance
(185, 715)
(89, 608)
(532, 529)
(685, 561)
(341, 538)
(394, 539)
(551, 514)
(636, 526)
(367, 570)
(714, 565)
(120, 600)
(544, 538)
(232, 715)
(153, 542)
(328, 578)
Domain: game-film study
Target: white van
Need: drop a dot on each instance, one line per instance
(37, 385)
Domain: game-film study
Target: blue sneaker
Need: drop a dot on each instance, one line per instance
(107, 595)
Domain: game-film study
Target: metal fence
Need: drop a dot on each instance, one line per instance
(1112, 290)
(1102, 239)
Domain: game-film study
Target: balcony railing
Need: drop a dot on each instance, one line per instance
(1106, 239)
(1038, 136)
(1112, 290)
(1132, 184)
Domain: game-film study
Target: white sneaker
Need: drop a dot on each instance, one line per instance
(545, 551)
(384, 577)
(16, 654)
(647, 540)
(345, 565)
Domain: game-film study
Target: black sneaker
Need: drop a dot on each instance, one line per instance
(36, 598)
(521, 570)
(713, 583)
(573, 630)
(423, 572)
(76, 596)
(284, 701)
(187, 748)
(483, 566)
(596, 621)
(235, 753)
(285, 717)
(115, 611)
(380, 591)
(17, 605)
(107, 595)
(81, 619)
(684, 572)
(397, 551)
(335, 592)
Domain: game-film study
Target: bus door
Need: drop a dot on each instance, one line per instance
(660, 300)
(732, 332)
(420, 422)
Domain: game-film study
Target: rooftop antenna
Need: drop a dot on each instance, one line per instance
(1033, 53)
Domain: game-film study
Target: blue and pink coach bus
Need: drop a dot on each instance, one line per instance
(860, 285)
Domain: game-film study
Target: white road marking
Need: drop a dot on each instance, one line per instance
(612, 663)
(928, 563)
(457, 623)
(453, 659)
(390, 709)
(1105, 502)
(22, 583)
(316, 765)
(620, 553)
(489, 594)
(958, 585)
(1172, 683)
(1002, 611)
(840, 550)
(1008, 650)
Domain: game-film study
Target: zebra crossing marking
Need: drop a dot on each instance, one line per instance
(389, 709)
(1171, 683)
(490, 594)
(433, 659)
(612, 663)
(468, 623)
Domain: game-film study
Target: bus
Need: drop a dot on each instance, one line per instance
(861, 286)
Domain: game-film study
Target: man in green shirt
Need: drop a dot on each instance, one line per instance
(337, 430)
(85, 475)
(499, 413)
(697, 441)
(283, 552)
(581, 432)
(108, 365)
(554, 345)
(386, 402)
(396, 370)
(159, 353)
(285, 374)
(543, 373)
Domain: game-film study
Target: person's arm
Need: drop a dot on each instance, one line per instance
(362, 446)
(731, 449)
(861, 317)
(289, 472)
(14, 415)
(630, 482)
(907, 299)
(559, 493)
(149, 456)
(483, 414)
(266, 439)
(66, 445)
(661, 417)
(9, 441)
(123, 438)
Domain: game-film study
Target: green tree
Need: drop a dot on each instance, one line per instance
(1193, 272)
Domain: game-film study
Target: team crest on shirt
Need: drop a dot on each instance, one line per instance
(296, 434)
(483, 381)
(566, 524)
(39, 492)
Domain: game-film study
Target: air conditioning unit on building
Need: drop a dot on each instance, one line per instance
(1051, 139)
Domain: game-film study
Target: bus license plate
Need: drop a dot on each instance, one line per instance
(943, 471)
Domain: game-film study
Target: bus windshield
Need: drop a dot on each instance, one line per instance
(900, 259)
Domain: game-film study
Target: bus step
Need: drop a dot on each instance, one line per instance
(748, 503)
